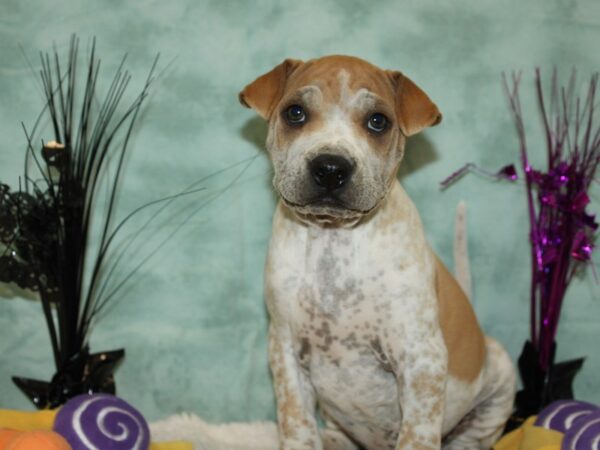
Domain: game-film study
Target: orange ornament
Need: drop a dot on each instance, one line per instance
(6, 435)
(37, 440)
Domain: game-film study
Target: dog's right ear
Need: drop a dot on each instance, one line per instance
(264, 93)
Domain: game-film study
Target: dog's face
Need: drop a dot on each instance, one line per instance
(337, 129)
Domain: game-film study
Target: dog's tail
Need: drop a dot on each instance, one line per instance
(462, 270)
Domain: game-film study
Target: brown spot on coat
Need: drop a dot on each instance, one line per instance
(463, 336)
(304, 352)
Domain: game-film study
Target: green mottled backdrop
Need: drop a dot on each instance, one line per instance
(192, 319)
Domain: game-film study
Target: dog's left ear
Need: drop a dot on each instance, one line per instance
(414, 108)
(264, 93)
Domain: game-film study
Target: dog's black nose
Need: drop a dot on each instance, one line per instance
(330, 171)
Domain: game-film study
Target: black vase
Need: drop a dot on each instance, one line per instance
(84, 373)
(541, 387)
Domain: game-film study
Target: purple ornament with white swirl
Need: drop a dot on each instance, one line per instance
(102, 422)
(579, 421)
(584, 434)
(562, 414)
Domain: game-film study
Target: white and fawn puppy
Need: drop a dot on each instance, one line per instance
(365, 319)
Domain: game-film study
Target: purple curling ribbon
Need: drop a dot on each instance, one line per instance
(102, 422)
(506, 173)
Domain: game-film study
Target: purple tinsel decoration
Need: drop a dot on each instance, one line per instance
(561, 231)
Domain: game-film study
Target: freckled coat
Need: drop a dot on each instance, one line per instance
(351, 298)
(365, 319)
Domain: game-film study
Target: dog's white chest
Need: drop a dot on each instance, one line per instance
(339, 289)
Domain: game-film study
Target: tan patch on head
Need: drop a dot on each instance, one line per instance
(326, 72)
(344, 84)
(463, 336)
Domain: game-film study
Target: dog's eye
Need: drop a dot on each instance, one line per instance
(295, 115)
(377, 123)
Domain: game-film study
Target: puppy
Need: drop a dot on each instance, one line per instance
(365, 319)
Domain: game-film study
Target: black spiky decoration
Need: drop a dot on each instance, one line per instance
(45, 226)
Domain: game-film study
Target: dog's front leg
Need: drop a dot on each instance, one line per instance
(295, 395)
(422, 388)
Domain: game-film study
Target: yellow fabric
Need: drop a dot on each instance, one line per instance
(173, 445)
(529, 437)
(27, 421)
(43, 420)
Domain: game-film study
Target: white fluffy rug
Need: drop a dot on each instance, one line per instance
(206, 436)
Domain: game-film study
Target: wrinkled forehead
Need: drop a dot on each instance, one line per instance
(351, 83)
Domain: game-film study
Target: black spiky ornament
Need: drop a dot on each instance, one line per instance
(46, 224)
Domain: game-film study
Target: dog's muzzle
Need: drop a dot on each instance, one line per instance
(328, 192)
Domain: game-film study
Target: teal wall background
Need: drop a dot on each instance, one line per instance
(192, 320)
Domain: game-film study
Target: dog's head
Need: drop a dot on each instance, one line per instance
(337, 129)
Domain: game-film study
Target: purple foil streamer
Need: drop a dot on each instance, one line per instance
(561, 231)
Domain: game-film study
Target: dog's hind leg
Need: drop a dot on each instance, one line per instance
(483, 426)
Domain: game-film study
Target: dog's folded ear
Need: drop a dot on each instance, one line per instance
(414, 108)
(264, 93)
